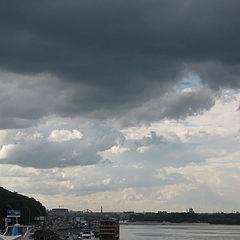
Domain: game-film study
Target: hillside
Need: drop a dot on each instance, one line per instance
(29, 207)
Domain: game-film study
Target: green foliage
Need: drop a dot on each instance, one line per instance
(29, 207)
(216, 218)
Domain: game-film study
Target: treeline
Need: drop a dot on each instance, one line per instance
(29, 207)
(215, 218)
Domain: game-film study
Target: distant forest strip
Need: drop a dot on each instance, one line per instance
(213, 218)
(29, 207)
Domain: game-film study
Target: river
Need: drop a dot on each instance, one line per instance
(179, 232)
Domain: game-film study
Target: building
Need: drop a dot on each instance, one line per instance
(191, 210)
(45, 234)
(60, 212)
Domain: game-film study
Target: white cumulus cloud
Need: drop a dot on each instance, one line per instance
(64, 135)
(6, 150)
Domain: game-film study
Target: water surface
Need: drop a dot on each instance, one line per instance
(179, 232)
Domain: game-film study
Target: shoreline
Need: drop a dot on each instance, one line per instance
(170, 223)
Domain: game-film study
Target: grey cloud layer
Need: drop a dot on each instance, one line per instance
(172, 105)
(112, 56)
(29, 148)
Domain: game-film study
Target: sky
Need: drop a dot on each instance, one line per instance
(130, 105)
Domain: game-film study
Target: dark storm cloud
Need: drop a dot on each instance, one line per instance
(172, 105)
(111, 56)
